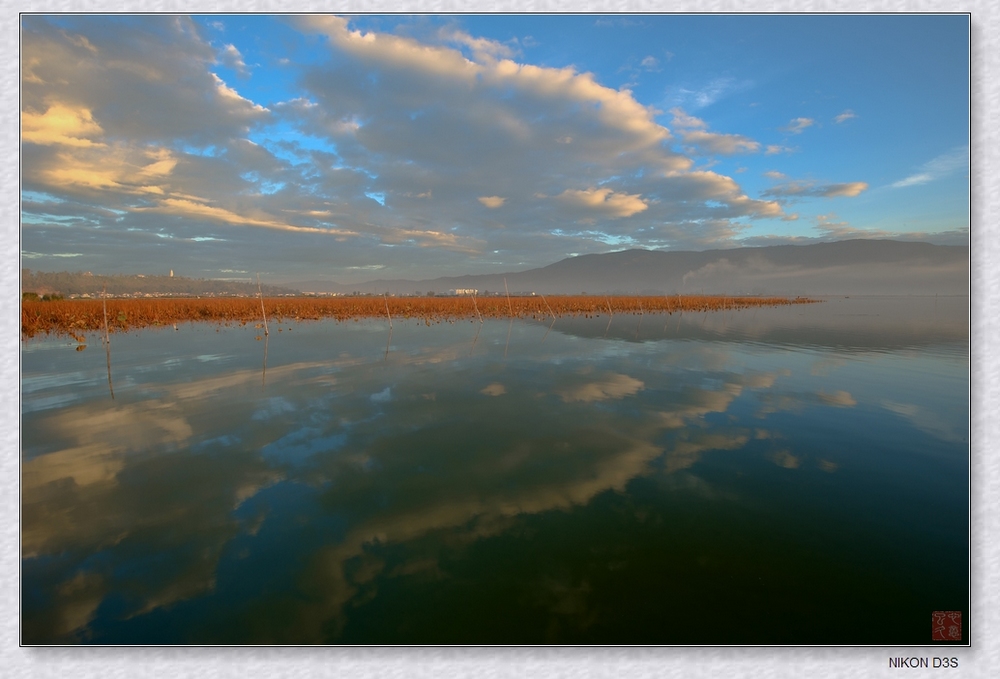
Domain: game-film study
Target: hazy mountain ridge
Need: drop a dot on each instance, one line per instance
(841, 267)
(77, 283)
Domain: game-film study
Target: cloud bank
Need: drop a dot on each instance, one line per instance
(146, 144)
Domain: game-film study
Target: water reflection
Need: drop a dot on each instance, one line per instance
(312, 507)
(843, 323)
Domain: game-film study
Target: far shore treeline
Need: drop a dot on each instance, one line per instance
(64, 284)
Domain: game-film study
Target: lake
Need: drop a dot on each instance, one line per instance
(791, 475)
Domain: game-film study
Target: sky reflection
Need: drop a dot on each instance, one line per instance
(208, 505)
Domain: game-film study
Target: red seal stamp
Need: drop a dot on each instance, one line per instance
(946, 626)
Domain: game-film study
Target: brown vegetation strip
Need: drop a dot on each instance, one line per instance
(72, 317)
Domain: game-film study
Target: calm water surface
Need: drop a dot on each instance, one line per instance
(794, 475)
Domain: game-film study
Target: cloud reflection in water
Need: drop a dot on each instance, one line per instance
(140, 502)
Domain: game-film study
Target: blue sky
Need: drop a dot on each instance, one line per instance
(360, 147)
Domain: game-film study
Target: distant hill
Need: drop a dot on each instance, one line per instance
(852, 267)
(79, 283)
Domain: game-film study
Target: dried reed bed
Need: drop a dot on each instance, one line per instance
(73, 317)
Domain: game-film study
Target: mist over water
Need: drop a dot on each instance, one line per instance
(741, 477)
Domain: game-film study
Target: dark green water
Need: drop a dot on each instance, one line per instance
(778, 476)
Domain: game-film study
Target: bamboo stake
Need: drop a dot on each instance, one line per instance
(107, 339)
(508, 297)
(386, 299)
(553, 318)
(476, 307)
(261, 296)
(104, 301)
(549, 308)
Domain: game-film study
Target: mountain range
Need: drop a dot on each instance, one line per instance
(851, 267)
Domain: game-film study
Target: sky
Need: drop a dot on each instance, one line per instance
(350, 148)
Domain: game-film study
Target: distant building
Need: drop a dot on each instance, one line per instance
(464, 291)
(171, 273)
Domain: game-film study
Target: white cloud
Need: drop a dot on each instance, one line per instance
(231, 57)
(846, 115)
(229, 93)
(482, 48)
(812, 189)
(492, 202)
(25, 254)
(694, 132)
(160, 143)
(775, 149)
(713, 91)
(60, 124)
(198, 210)
(429, 238)
(834, 230)
(723, 144)
(711, 186)
(942, 166)
(682, 119)
(797, 125)
(914, 180)
(148, 82)
(604, 201)
(850, 189)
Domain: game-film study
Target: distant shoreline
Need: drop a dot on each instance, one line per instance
(74, 317)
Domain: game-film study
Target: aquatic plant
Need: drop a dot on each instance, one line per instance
(71, 317)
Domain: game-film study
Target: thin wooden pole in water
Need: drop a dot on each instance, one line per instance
(260, 294)
(476, 307)
(386, 299)
(610, 315)
(104, 301)
(551, 314)
(508, 297)
(549, 308)
(680, 315)
(107, 339)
